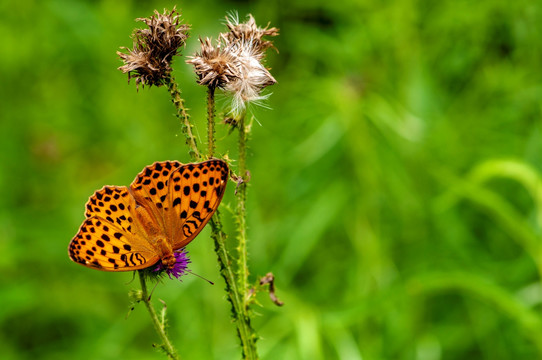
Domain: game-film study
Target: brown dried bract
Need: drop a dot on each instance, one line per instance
(269, 278)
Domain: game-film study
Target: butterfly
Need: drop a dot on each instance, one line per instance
(164, 209)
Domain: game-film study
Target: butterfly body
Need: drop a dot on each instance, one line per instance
(165, 207)
(166, 253)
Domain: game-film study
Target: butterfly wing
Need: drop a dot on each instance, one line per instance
(150, 189)
(182, 198)
(179, 198)
(195, 191)
(110, 239)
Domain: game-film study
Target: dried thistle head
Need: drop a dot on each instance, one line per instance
(234, 64)
(249, 31)
(149, 61)
(214, 65)
(252, 77)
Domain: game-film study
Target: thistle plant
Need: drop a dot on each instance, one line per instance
(233, 63)
(149, 62)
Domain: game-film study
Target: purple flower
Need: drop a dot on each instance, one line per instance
(181, 264)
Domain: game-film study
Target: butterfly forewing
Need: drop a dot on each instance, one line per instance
(109, 239)
(150, 188)
(195, 191)
(114, 204)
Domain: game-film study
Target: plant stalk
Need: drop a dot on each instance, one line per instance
(211, 121)
(241, 193)
(186, 126)
(236, 294)
(160, 327)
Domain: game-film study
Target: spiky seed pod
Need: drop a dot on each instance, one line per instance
(149, 61)
(235, 63)
(252, 77)
(215, 65)
(249, 31)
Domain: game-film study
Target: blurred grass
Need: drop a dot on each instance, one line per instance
(395, 187)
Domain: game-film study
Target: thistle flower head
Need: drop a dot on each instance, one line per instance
(179, 269)
(252, 77)
(149, 61)
(214, 65)
(235, 63)
(249, 31)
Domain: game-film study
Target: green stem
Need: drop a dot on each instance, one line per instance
(186, 126)
(241, 210)
(236, 297)
(211, 120)
(241, 214)
(160, 327)
(236, 294)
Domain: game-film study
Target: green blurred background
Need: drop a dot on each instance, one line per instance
(396, 181)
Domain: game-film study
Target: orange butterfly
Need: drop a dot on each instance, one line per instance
(165, 207)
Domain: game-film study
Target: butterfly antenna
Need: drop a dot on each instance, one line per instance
(152, 291)
(201, 277)
(133, 277)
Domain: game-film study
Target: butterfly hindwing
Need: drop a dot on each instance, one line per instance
(102, 245)
(110, 239)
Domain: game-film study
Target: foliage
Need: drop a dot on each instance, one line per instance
(395, 188)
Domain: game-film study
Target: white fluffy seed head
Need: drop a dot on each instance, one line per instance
(235, 63)
(252, 78)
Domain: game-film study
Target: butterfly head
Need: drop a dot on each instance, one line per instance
(177, 265)
(169, 261)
